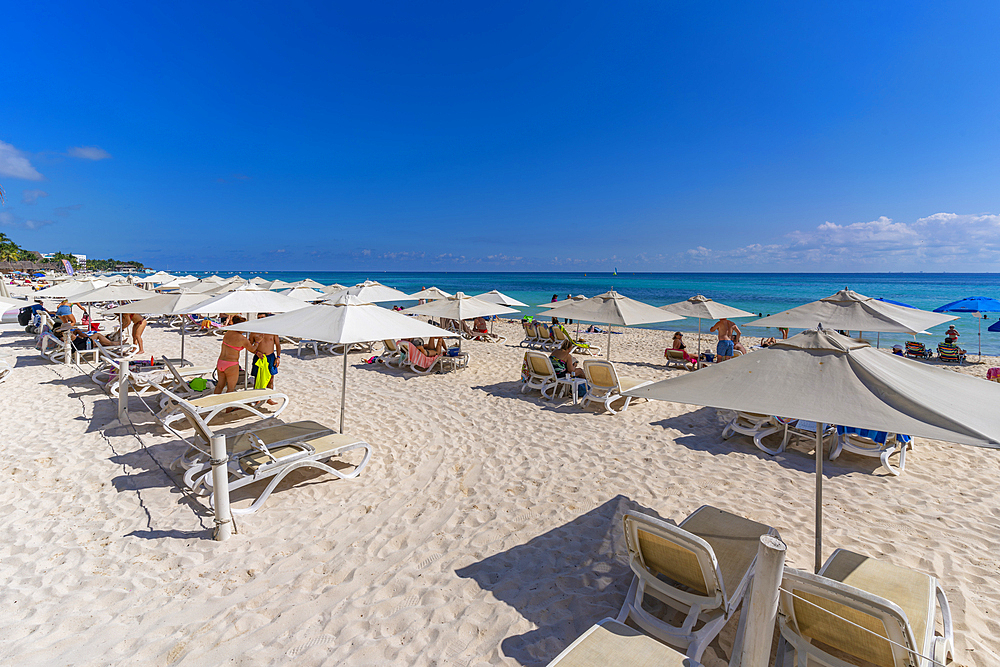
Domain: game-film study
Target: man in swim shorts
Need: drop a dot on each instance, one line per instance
(725, 329)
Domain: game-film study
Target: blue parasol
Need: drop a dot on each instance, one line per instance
(972, 304)
(995, 326)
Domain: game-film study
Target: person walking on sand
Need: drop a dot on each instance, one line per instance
(724, 328)
(268, 348)
(228, 365)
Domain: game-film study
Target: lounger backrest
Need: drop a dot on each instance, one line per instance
(390, 345)
(560, 334)
(914, 347)
(658, 549)
(815, 608)
(600, 373)
(418, 358)
(173, 371)
(197, 423)
(540, 365)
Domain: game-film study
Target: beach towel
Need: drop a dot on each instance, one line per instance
(263, 375)
(993, 374)
(877, 436)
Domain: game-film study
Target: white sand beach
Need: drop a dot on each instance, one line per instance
(485, 531)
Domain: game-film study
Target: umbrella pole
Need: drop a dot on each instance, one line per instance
(699, 345)
(343, 391)
(819, 496)
(979, 323)
(609, 342)
(182, 343)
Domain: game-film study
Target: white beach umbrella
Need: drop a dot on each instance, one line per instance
(702, 307)
(113, 293)
(68, 289)
(335, 287)
(164, 304)
(276, 285)
(430, 293)
(9, 303)
(611, 308)
(244, 301)
(369, 292)
(459, 307)
(494, 296)
(303, 293)
(257, 280)
(563, 302)
(824, 377)
(308, 282)
(851, 311)
(344, 322)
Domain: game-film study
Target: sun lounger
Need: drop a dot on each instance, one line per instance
(560, 335)
(609, 642)
(951, 354)
(879, 444)
(267, 453)
(753, 424)
(801, 429)
(529, 334)
(420, 363)
(546, 341)
(700, 569)
(541, 374)
(393, 355)
(208, 407)
(676, 358)
(604, 385)
(917, 350)
(857, 605)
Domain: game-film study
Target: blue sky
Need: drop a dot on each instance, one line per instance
(651, 136)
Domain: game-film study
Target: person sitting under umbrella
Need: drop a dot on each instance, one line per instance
(563, 362)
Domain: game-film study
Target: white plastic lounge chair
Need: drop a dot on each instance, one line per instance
(755, 425)
(700, 569)
(545, 338)
(420, 363)
(676, 358)
(604, 385)
(541, 374)
(889, 602)
(529, 334)
(267, 453)
(304, 343)
(877, 444)
(609, 642)
(560, 335)
(393, 355)
(207, 407)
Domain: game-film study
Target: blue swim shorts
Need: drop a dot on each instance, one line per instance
(724, 348)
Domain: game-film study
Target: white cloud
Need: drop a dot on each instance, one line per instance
(89, 153)
(946, 241)
(13, 163)
(31, 196)
(65, 210)
(35, 224)
(9, 219)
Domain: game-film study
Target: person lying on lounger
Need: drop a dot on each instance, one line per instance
(563, 362)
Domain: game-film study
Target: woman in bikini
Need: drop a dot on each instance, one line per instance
(138, 323)
(228, 365)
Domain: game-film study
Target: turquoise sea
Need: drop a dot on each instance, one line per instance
(764, 293)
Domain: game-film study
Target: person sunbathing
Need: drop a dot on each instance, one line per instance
(678, 344)
(83, 340)
(949, 347)
(433, 348)
(479, 325)
(563, 362)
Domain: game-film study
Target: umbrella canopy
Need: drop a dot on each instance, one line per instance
(330, 289)
(563, 302)
(303, 293)
(896, 303)
(8, 303)
(276, 285)
(257, 280)
(702, 307)
(851, 311)
(994, 327)
(162, 304)
(430, 293)
(611, 308)
(493, 296)
(244, 301)
(973, 304)
(156, 278)
(459, 307)
(308, 282)
(113, 293)
(369, 292)
(344, 322)
(68, 289)
(824, 377)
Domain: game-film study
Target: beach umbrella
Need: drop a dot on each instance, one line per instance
(9, 303)
(494, 296)
(343, 322)
(68, 289)
(369, 292)
(822, 376)
(459, 307)
(563, 302)
(164, 304)
(896, 303)
(330, 289)
(702, 307)
(611, 308)
(994, 327)
(308, 282)
(244, 301)
(113, 293)
(303, 293)
(973, 304)
(257, 280)
(851, 311)
(276, 285)
(430, 293)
